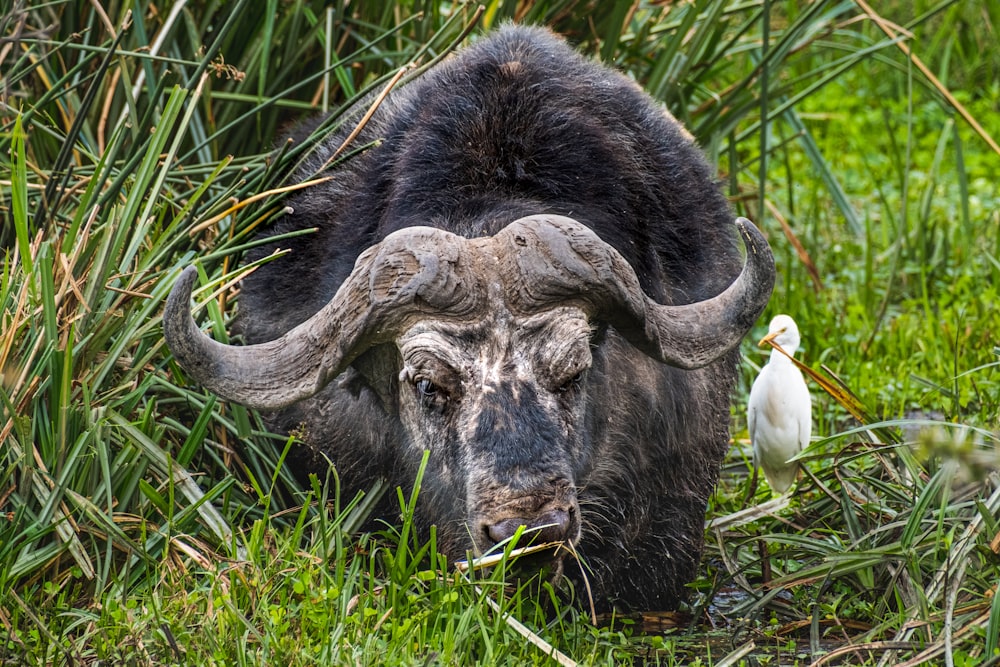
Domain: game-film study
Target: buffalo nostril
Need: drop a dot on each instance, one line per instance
(551, 526)
(504, 530)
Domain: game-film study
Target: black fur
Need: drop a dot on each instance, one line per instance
(514, 125)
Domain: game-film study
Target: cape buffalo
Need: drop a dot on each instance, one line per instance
(533, 275)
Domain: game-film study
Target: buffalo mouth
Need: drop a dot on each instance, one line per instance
(534, 562)
(536, 537)
(545, 565)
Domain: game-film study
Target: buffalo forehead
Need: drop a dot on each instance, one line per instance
(500, 346)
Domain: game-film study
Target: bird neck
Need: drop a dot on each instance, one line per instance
(779, 358)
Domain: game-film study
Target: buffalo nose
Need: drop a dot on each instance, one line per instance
(551, 526)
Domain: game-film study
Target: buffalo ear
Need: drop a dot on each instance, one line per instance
(353, 381)
(376, 370)
(598, 333)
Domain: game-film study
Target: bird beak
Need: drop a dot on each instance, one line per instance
(766, 340)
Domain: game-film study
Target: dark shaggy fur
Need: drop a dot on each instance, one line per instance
(514, 125)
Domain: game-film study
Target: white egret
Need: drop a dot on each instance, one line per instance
(779, 412)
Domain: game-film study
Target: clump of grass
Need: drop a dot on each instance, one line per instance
(145, 521)
(879, 553)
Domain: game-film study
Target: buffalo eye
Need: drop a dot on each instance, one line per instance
(430, 394)
(572, 383)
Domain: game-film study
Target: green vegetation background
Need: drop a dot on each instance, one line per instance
(143, 522)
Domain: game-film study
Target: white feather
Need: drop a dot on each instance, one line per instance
(779, 412)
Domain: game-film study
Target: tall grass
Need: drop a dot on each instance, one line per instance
(147, 522)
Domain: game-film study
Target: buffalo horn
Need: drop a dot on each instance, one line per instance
(560, 261)
(410, 273)
(543, 261)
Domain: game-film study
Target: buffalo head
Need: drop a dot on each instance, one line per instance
(482, 349)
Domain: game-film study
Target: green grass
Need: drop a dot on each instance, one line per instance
(145, 522)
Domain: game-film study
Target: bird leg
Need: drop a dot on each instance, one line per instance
(765, 562)
(752, 490)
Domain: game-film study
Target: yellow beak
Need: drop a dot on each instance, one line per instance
(766, 340)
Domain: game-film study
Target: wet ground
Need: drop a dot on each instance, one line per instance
(721, 636)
